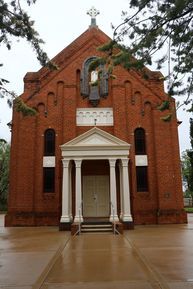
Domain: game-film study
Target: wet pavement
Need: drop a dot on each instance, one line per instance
(145, 258)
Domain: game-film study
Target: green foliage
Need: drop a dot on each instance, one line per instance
(95, 83)
(96, 63)
(161, 28)
(190, 173)
(191, 132)
(22, 107)
(187, 194)
(15, 22)
(189, 210)
(190, 158)
(187, 164)
(186, 169)
(4, 173)
(107, 46)
(164, 105)
(167, 117)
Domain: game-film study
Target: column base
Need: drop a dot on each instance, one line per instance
(78, 219)
(116, 218)
(65, 226)
(128, 225)
(65, 219)
(119, 227)
(127, 218)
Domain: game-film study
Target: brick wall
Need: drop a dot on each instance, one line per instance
(56, 95)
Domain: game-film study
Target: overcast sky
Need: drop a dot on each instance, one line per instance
(59, 22)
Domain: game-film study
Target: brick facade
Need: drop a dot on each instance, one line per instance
(56, 96)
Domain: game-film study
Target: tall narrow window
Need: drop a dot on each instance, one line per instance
(49, 142)
(140, 147)
(142, 179)
(49, 180)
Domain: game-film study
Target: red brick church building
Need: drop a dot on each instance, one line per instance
(93, 151)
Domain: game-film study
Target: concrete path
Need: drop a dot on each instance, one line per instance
(149, 257)
(26, 255)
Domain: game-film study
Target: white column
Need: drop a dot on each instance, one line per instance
(113, 190)
(121, 189)
(65, 218)
(70, 190)
(126, 193)
(78, 189)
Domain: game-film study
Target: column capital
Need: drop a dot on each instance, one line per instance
(78, 163)
(120, 165)
(125, 162)
(112, 162)
(65, 163)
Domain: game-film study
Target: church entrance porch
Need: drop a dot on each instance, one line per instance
(95, 155)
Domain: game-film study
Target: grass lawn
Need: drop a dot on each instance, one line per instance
(189, 210)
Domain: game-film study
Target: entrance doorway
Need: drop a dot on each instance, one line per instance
(96, 196)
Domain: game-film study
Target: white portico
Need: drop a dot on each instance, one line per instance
(95, 144)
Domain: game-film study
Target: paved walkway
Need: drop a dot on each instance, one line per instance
(149, 257)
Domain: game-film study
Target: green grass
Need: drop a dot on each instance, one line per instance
(189, 210)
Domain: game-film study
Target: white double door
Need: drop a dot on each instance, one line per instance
(96, 196)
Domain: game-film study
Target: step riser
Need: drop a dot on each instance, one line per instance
(96, 228)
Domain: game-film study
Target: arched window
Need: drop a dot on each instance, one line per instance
(140, 147)
(49, 142)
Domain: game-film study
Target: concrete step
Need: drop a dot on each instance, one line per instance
(96, 228)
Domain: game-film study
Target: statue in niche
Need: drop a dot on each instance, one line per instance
(94, 84)
(94, 76)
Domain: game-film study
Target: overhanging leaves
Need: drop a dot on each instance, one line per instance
(161, 32)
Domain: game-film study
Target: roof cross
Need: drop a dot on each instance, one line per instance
(93, 12)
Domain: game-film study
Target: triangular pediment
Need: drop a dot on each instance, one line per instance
(96, 137)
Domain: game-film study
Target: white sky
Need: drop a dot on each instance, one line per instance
(59, 22)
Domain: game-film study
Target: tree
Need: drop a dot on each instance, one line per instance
(153, 28)
(186, 170)
(187, 165)
(4, 173)
(15, 22)
(190, 155)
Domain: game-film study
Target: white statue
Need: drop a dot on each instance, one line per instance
(94, 76)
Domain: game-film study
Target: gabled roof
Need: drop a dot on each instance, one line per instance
(91, 35)
(80, 41)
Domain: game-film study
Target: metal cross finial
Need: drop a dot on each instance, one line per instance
(93, 12)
